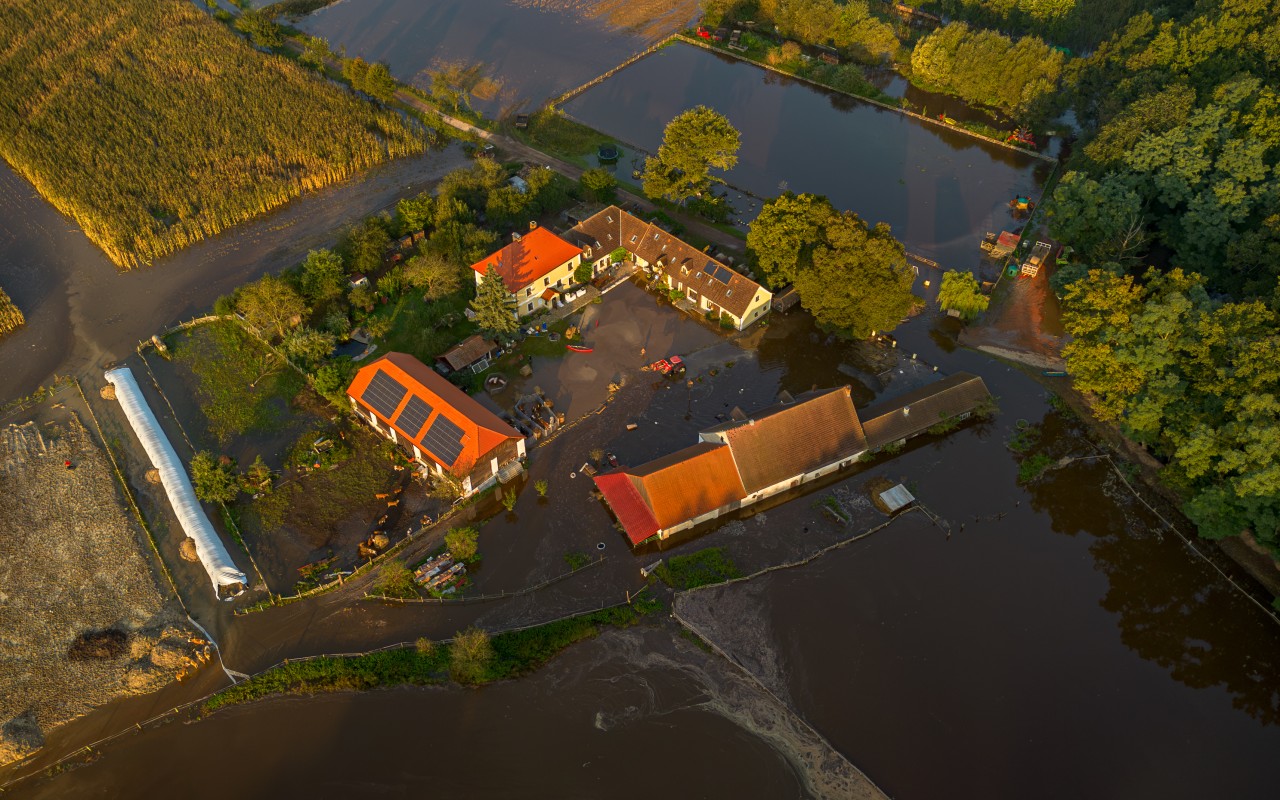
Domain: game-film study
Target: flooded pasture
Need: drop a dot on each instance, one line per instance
(530, 50)
(939, 189)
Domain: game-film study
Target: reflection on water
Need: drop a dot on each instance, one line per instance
(1056, 646)
(938, 189)
(533, 49)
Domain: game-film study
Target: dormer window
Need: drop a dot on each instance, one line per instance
(728, 293)
(610, 218)
(633, 239)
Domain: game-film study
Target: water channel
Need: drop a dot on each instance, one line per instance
(533, 49)
(937, 188)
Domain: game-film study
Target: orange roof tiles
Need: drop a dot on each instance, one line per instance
(528, 258)
(482, 430)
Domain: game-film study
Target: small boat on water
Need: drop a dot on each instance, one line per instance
(577, 348)
(1050, 373)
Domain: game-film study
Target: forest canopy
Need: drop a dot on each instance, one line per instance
(153, 126)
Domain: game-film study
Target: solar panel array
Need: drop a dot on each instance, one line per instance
(383, 394)
(413, 417)
(444, 440)
(720, 273)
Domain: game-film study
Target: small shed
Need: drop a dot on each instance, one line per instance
(896, 498)
(472, 353)
(357, 280)
(785, 300)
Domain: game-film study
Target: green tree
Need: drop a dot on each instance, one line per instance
(271, 305)
(260, 28)
(413, 213)
(362, 297)
(599, 184)
(782, 237)
(323, 277)
(461, 242)
(308, 346)
(694, 142)
(470, 655)
(433, 274)
(364, 247)
(375, 79)
(463, 544)
(395, 579)
(213, 479)
(960, 291)
(333, 378)
(1103, 220)
(492, 305)
(859, 280)
(315, 52)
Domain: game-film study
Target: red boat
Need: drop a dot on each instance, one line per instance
(579, 348)
(667, 366)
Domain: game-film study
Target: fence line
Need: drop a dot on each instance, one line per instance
(486, 597)
(15, 407)
(572, 93)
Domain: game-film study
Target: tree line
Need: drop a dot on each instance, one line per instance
(1172, 202)
(192, 130)
(988, 68)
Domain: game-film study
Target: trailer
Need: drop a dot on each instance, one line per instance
(1039, 255)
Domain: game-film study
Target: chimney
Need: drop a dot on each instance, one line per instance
(906, 410)
(533, 223)
(515, 237)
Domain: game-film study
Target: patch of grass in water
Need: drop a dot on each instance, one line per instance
(702, 568)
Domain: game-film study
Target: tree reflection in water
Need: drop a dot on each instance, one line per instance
(1173, 608)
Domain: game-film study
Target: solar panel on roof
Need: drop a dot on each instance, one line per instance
(383, 394)
(413, 417)
(718, 272)
(443, 440)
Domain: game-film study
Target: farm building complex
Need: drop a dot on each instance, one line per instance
(445, 430)
(747, 460)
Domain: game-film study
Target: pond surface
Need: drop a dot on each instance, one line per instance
(938, 189)
(534, 49)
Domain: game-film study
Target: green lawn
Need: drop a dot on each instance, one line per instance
(425, 329)
(243, 386)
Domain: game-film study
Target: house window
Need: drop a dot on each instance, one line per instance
(546, 281)
(531, 306)
(528, 292)
(728, 293)
(633, 239)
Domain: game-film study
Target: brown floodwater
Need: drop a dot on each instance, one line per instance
(532, 49)
(938, 189)
(592, 724)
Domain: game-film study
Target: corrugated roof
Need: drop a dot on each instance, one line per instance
(673, 489)
(482, 430)
(528, 258)
(613, 228)
(896, 498)
(925, 407)
(468, 352)
(784, 441)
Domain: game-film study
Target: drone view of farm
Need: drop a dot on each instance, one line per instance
(548, 398)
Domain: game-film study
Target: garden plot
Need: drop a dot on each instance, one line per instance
(312, 487)
(83, 618)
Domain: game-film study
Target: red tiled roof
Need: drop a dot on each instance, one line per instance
(528, 258)
(673, 489)
(482, 430)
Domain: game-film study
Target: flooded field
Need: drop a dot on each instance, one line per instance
(609, 719)
(531, 50)
(82, 312)
(938, 189)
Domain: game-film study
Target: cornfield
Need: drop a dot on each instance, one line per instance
(10, 315)
(153, 126)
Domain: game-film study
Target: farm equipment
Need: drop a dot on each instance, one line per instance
(1039, 254)
(1021, 206)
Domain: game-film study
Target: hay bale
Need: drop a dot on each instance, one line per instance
(380, 541)
(188, 550)
(153, 477)
(108, 392)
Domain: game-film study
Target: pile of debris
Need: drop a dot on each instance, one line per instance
(84, 619)
(534, 416)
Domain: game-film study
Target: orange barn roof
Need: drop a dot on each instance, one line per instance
(670, 490)
(528, 258)
(446, 424)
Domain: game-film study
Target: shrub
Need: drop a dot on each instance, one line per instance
(702, 568)
(213, 479)
(470, 656)
(395, 580)
(463, 543)
(541, 486)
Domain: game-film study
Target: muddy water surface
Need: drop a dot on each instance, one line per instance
(938, 189)
(532, 49)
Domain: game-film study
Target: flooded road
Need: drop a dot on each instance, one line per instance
(82, 311)
(938, 189)
(609, 719)
(533, 49)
